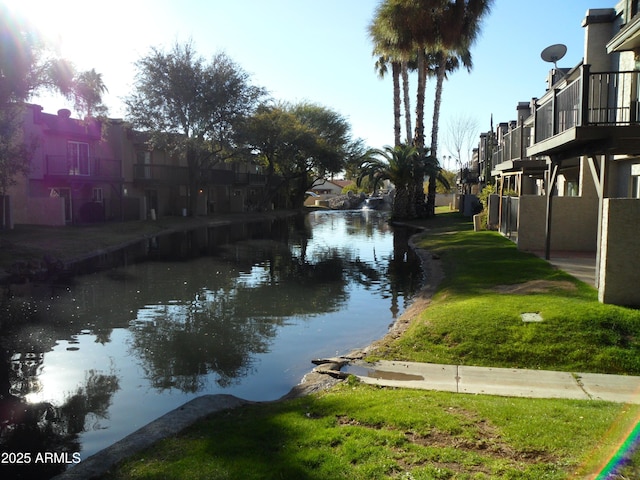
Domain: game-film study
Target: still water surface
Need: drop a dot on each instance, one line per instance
(239, 310)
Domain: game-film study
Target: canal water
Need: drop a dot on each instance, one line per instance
(240, 310)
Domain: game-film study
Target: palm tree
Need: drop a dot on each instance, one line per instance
(400, 26)
(459, 27)
(438, 33)
(393, 34)
(398, 166)
(382, 69)
(86, 91)
(446, 63)
(432, 169)
(386, 53)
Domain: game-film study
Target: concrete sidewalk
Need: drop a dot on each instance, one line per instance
(581, 265)
(498, 381)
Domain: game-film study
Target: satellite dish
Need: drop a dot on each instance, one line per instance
(553, 53)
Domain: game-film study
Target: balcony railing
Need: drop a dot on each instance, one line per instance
(592, 99)
(91, 168)
(512, 145)
(250, 179)
(172, 175)
(162, 174)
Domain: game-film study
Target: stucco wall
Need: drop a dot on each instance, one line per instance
(445, 199)
(39, 211)
(574, 224)
(620, 252)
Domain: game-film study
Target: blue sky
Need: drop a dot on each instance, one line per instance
(317, 51)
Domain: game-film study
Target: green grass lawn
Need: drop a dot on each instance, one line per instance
(355, 431)
(472, 321)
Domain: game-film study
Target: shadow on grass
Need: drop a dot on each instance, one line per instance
(362, 432)
(477, 261)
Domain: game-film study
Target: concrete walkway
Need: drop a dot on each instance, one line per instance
(499, 381)
(581, 265)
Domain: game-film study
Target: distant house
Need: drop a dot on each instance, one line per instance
(572, 157)
(331, 187)
(322, 192)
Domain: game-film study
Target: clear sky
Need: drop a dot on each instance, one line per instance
(318, 51)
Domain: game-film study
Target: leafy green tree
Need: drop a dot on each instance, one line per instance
(299, 146)
(192, 108)
(357, 153)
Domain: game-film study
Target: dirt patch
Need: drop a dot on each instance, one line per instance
(536, 286)
(486, 442)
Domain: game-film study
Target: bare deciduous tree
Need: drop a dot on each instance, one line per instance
(462, 137)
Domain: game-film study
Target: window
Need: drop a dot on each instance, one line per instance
(144, 158)
(78, 158)
(98, 195)
(572, 188)
(635, 181)
(635, 187)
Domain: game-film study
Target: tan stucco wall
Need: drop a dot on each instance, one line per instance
(39, 211)
(445, 199)
(620, 253)
(573, 226)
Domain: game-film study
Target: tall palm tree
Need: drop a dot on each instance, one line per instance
(459, 29)
(382, 69)
(446, 63)
(438, 33)
(384, 48)
(402, 25)
(398, 166)
(393, 32)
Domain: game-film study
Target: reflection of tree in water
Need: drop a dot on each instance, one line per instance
(40, 427)
(219, 330)
(180, 344)
(404, 272)
(218, 323)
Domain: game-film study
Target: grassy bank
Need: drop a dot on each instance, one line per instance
(361, 432)
(475, 318)
(357, 431)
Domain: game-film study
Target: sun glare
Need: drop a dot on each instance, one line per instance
(108, 37)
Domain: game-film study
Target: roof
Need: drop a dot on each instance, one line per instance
(341, 183)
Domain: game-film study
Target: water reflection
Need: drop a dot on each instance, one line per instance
(239, 310)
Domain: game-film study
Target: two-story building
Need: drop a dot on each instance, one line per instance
(573, 156)
(85, 171)
(74, 175)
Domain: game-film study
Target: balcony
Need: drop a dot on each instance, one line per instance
(160, 174)
(250, 179)
(511, 146)
(594, 113)
(83, 168)
(511, 154)
(172, 175)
